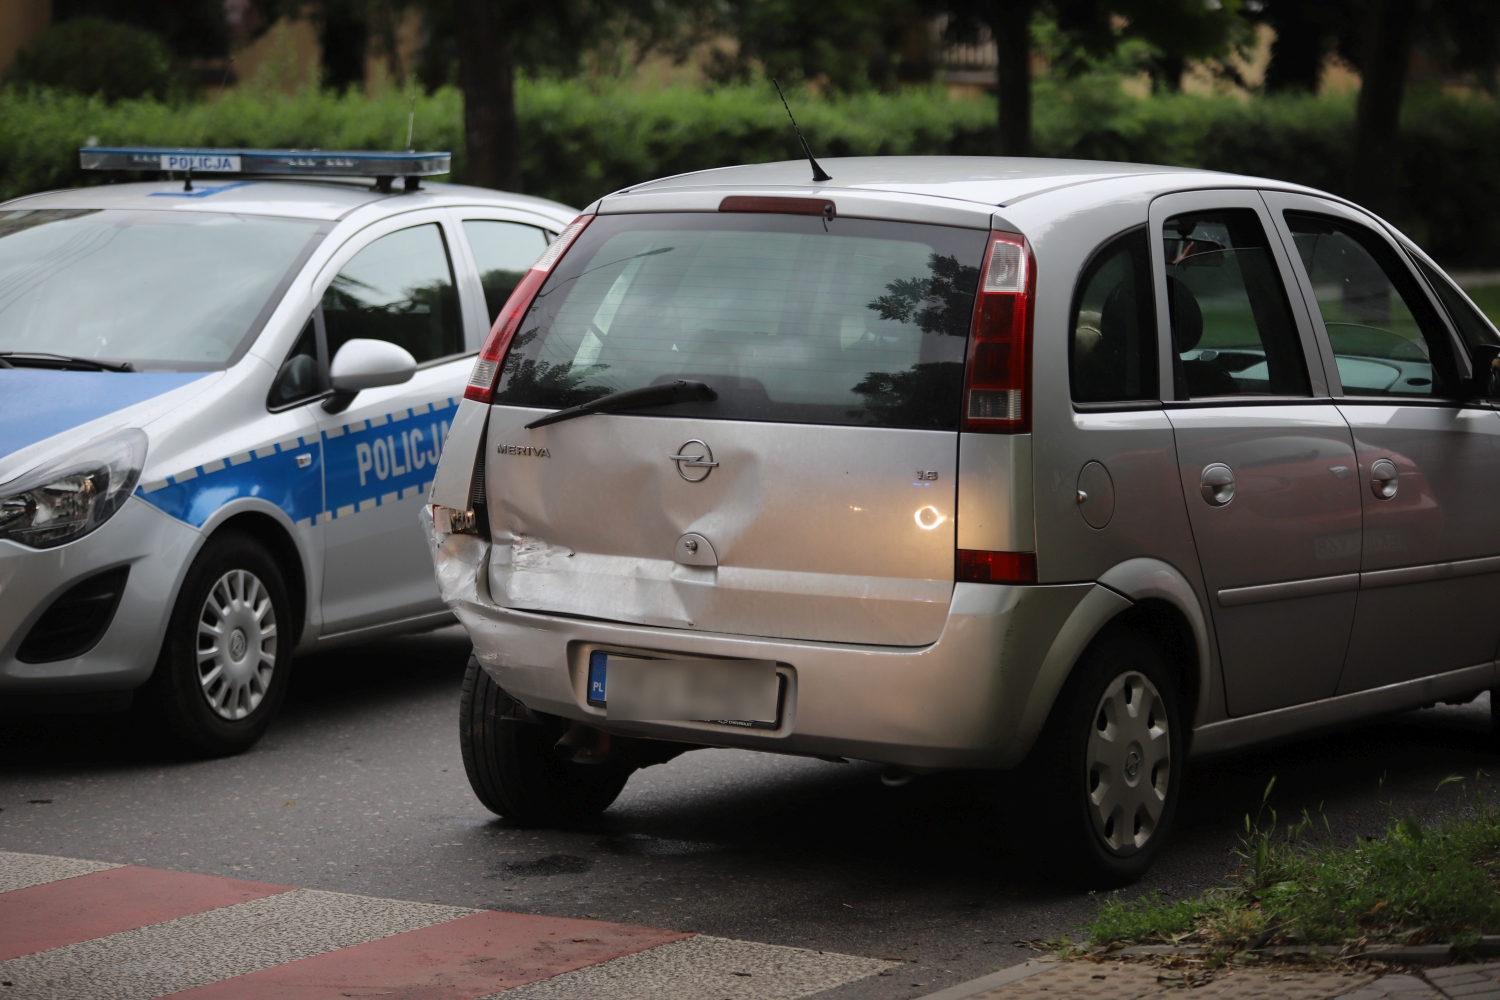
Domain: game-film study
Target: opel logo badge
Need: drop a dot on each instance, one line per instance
(1133, 765)
(695, 460)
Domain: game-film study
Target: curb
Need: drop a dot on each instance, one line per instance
(1004, 977)
(1487, 946)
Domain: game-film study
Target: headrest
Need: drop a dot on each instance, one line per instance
(1187, 317)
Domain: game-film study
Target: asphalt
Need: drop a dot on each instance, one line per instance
(359, 788)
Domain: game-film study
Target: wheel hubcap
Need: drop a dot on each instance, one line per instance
(1129, 763)
(236, 644)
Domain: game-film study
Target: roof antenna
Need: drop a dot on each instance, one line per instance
(819, 174)
(411, 121)
(187, 185)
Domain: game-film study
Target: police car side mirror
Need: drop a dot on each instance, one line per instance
(366, 364)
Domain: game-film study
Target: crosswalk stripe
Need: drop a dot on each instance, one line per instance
(17, 871)
(85, 930)
(66, 911)
(190, 951)
(464, 958)
(706, 968)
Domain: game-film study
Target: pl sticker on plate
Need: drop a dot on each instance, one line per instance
(201, 163)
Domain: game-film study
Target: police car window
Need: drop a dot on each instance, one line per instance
(1233, 332)
(789, 318)
(504, 251)
(398, 289)
(1114, 325)
(1386, 336)
(161, 290)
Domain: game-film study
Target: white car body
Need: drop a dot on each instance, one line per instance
(335, 497)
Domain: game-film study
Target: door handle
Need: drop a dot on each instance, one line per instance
(1218, 484)
(1384, 480)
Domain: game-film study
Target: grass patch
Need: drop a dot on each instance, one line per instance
(1413, 884)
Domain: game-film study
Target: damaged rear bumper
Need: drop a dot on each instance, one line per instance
(970, 699)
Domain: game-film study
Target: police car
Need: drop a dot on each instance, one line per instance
(223, 396)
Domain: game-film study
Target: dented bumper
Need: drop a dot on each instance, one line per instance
(966, 700)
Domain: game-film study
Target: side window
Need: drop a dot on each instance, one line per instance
(1472, 325)
(504, 252)
(1114, 325)
(299, 378)
(400, 289)
(1385, 334)
(1232, 327)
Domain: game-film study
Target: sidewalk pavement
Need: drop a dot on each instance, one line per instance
(1115, 980)
(84, 930)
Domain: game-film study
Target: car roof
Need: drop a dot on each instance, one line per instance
(987, 180)
(322, 200)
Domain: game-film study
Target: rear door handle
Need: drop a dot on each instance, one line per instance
(1217, 483)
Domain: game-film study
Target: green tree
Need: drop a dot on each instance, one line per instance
(88, 55)
(1176, 30)
(492, 40)
(1379, 38)
(845, 45)
(189, 27)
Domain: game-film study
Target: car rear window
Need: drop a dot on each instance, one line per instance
(788, 318)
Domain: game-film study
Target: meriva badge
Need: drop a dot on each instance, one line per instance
(522, 449)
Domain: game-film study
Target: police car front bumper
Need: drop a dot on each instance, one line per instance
(154, 546)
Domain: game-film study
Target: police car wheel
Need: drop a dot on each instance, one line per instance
(224, 665)
(512, 765)
(1107, 770)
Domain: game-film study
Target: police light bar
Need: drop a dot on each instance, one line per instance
(266, 162)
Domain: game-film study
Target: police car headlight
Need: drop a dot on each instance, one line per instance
(72, 496)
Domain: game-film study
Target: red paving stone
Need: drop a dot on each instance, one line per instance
(461, 959)
(88, 906)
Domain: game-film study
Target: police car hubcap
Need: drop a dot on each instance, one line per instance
(1129, 765)
(236, 644)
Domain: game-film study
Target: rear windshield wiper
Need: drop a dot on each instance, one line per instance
(680, 391)
(41, 359)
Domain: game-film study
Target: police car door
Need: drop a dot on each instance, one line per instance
(398, 281)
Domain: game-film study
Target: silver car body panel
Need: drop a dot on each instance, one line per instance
(974, 683)
(1327, 713)
(995, 493)
(585, 516)
(1431, 547)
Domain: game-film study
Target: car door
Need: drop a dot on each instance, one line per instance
(1429, 455)
(1266, 461)
(396, 281)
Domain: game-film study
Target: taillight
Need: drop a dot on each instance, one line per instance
(492, 357)
(977, 566)
(997, 377)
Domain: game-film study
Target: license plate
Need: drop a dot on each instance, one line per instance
(731, 692)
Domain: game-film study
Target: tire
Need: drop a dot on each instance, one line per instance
(1109, 793)
(214, 693)
(513, 768)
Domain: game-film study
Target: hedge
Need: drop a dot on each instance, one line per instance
(583, 139)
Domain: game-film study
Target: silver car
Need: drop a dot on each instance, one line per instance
(967, 463)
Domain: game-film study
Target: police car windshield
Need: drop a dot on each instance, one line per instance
(160, 290)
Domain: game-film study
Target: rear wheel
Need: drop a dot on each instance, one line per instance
(513, 767)
(1108, 765)
(225, 663)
